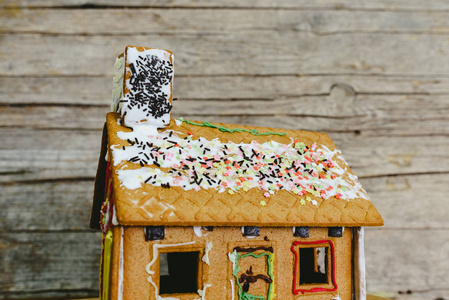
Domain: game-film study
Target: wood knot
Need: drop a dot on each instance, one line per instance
(341, 92)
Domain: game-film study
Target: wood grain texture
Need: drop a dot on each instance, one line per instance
(424, 252)
(48, 155)
(94, 91)
(407, 5)
(374, 115)
(44, 264)
(404, 204)
(27, 206)
(374, 74)
(173, 21)
(287, 53)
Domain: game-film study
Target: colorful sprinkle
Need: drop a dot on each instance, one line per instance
(203, 164)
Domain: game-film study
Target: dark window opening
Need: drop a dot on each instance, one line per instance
(179, 272)
(313, 265)
(302, 231)
(251, 231)
(153, 233)
(335, 231)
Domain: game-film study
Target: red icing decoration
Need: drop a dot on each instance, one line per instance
(296, 290)
(108, 175)
(110, 207)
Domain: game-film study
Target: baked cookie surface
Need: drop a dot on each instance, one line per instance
(200, 173)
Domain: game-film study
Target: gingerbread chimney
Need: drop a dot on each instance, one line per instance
(143, 85)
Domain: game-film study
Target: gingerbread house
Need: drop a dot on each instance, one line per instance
(200, 210)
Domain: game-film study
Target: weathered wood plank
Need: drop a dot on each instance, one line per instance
(97, 90)
(434, 294)
(404, 202)
(401, 260)
(56, 90)
(407, 5)
(48, 155)
(28, 206)
(287, 52)
(373, 115)
(65, 154)
(173, 21)
(410, 201)
(49, 264)
(56, 117)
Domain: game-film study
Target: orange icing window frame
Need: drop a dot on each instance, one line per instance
(297, 288)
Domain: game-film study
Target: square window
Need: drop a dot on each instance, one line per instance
(179, 272)
(314, 266)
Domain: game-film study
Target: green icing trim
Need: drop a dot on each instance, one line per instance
(224, 129)
(244, 295)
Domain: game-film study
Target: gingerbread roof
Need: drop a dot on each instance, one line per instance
(198, 173)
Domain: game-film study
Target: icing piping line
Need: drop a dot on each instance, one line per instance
(359, 263)
(198, 231)
(103, 242)
(296, 291)
(224, 129)
(106, 265)
(234, 258)
(202, 292)
(120, 273)
(205, 257)
(232, 288)
(155, 256)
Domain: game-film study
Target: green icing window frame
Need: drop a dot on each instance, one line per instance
(234, 257)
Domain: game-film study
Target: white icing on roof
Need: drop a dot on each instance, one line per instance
(169, 160)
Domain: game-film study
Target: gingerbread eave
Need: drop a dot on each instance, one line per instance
(174, 206)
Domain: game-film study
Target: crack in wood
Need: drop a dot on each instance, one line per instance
(216, 33)
(404, 174)
(92, 292)
(245, 75)
(297, 7)
(47, 180)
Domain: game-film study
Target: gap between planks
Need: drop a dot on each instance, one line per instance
(381, 6)
(243, 75)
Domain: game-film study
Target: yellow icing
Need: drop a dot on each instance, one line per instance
(272, 295)
(106, 265)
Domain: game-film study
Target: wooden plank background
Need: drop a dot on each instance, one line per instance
(373, 74)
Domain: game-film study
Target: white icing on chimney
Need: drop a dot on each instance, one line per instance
(147, 94)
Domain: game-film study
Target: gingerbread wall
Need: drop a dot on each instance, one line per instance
(215, 267)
